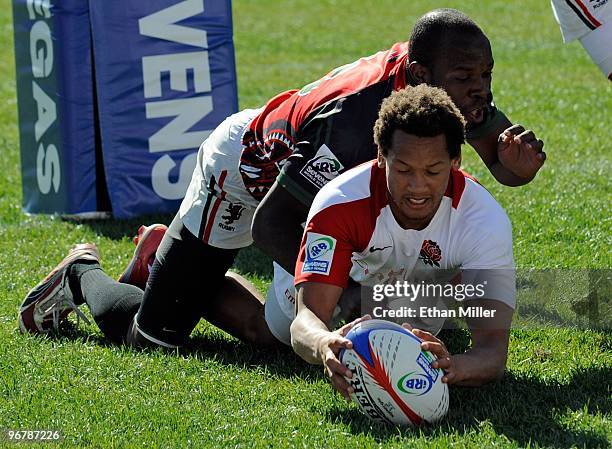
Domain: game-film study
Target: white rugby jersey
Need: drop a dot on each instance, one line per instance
(579, 17)
(351, 231)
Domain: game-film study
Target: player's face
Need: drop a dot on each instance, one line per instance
(465, 72)
(417, 170)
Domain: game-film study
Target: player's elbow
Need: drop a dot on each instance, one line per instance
(265, 221)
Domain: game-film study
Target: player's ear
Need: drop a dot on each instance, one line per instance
(456, 162)
(419, 73)
(382, 162)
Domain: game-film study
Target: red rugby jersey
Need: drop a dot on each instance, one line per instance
(336, 115)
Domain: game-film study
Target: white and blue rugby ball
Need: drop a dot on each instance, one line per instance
(393, 379)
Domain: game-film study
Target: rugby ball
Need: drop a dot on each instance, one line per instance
(393, 379)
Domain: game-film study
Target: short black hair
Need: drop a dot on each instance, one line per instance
(431, 33)
(423, 111)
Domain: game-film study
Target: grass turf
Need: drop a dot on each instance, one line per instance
(221, 393)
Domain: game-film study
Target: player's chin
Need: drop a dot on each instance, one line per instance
(417, 211)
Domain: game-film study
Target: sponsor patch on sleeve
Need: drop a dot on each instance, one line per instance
(322, 168)
(319, 253)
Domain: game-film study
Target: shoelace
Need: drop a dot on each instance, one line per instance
(60, 302)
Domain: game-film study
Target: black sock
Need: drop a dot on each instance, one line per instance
(112, 304)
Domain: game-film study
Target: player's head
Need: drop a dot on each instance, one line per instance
(419, 132)
(448, 50)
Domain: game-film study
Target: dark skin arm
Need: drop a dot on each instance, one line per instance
(512, 154)
(277, 226)
(311, 337)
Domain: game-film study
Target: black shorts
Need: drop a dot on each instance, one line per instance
(185, 275)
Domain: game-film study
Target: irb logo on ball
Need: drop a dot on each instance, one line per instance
(414, 383)
(319, 253)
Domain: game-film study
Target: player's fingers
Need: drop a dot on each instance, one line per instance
(444, 363)
(334, 366)
(514, 130)
(407, 326)
(338, 342)
(525, 137)
(542, 156)
(342, 386)
(536, 145)
(347, 327)
(449, 378)
(436, 348)
(424, 335)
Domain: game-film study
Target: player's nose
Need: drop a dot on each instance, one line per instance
(481, 89)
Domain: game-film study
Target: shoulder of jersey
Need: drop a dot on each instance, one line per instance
(476, 207)
(351, 189)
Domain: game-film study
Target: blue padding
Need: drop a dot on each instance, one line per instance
(55, 102)
(136, 41)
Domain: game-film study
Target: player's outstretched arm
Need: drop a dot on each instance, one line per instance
(513, 154)
(311, 338)
(485, 361)
(277, 226)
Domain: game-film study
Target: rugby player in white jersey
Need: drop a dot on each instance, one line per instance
(412, 210)
(589, 21)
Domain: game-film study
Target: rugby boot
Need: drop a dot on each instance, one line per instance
(147, 241)
(48, 304)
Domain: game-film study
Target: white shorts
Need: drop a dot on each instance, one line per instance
(591, 23)
(217, 207)
(280, 305)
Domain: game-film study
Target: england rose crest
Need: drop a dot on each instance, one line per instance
(430, 253)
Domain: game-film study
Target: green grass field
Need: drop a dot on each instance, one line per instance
(222, 393)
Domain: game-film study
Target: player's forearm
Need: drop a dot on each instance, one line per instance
(506, 177)
(307, 333)
(281, 241)
(277, 226)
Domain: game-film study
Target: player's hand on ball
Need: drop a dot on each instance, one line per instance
(520, 151)
(329, 350)
(445, 362)
(348, 326)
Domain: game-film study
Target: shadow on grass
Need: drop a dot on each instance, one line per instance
(118, 229)
(278, 361)
(250, 260)
(523, 409)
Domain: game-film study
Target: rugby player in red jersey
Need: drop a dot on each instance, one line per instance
(409, 215)
(237, 167)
